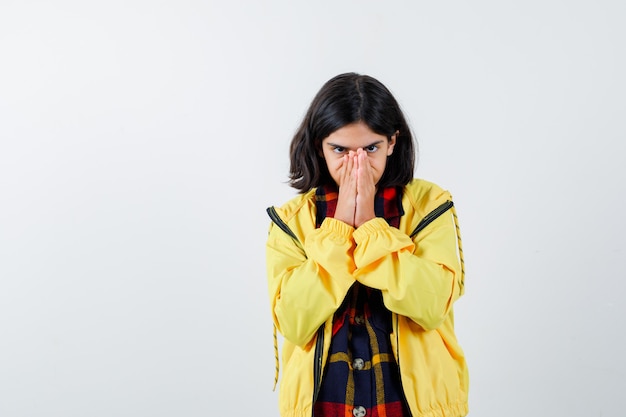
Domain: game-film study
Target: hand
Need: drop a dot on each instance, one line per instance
(346, 200)
(365, 189)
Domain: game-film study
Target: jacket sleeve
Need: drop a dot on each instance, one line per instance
(419, 278)
(308, 283)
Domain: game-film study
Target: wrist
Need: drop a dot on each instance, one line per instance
(364, 217)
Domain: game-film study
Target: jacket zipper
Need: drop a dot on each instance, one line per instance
(398, 363)
(397, 325)
(317, 363)
(271, 211)
(430, 217)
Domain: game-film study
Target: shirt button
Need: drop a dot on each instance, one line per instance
(359, 319)
(358, 411)
(358, 364)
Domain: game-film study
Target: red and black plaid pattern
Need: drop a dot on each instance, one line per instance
(361, 377)
(387, 204)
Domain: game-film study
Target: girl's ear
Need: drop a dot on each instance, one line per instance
(392, 142)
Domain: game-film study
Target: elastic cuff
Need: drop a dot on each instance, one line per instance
(369, 227)
(337, 226)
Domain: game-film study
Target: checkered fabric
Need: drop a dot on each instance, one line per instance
(387, 204)
(361, 377)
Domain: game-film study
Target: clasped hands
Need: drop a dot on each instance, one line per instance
(355, 202)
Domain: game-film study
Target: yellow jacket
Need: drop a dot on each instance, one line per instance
(420, 278)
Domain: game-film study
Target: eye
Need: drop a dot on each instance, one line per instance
(338, 149)
(371, 148)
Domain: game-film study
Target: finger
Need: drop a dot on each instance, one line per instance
(349, 165)
(366, 175)
(347, 168)
(355, 162)
(341, 170)
(363, 162)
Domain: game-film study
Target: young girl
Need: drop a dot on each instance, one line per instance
(364, 267)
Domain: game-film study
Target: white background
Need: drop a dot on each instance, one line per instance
(141, 141)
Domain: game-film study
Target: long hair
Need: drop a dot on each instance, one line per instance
(345, 99)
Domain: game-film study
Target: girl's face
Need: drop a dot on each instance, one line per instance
(352, 137)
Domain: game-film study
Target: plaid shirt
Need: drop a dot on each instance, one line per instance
(387, 204)
(361, 377)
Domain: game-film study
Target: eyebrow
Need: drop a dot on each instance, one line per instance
(334, 145)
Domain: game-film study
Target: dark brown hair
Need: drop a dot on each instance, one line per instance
(345, 99)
